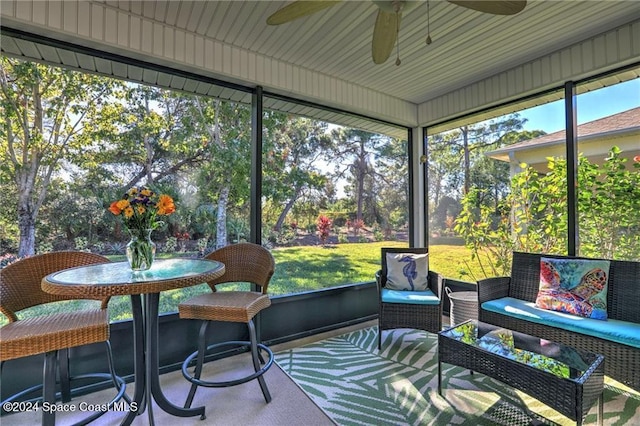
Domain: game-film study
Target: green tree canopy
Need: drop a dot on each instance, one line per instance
(48, 114)
(533, 217)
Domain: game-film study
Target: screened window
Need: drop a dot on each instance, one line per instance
(609, 169)
(332, 196)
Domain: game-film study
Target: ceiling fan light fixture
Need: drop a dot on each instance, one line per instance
(393, 6)
(428, 41)
(387, 26)
(398, 61)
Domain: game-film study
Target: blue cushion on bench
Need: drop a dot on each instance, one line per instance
(426, 297)
(624, 332)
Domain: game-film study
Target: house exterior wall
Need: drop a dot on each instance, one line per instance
(605, 52)
(595, 149)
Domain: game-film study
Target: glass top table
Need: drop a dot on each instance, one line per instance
(118, 278)
(113, 279)
(565, 378)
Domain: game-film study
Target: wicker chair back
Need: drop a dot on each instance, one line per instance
(20, 282)
(244, 262)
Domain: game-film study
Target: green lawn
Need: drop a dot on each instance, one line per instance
(307, 268)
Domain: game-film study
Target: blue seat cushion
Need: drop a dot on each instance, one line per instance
(426, 297)
(623, 332)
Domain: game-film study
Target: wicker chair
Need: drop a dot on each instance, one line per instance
(52, 334)
(421, 316)
(245, 263)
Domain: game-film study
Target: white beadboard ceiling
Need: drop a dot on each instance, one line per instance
(468, 46)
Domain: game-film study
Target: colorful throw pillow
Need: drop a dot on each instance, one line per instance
(407, 271)
(574, 286)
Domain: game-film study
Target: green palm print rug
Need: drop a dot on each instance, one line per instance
(355, 384)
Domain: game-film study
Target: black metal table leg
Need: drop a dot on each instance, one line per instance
(439, 378)
(147, 378)
(65, 381)
(151, 302)
(139, 366)
(49, 385)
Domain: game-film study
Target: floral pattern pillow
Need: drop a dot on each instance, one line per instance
(407, 271)
(574, 286)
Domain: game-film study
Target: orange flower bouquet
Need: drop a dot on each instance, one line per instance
(139, 209)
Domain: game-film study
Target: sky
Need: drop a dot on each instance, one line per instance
(591, 106)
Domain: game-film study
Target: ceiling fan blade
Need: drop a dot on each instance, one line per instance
(298, 9)
(384, 35)
(507, 7)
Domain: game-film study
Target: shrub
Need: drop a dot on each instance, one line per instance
(533, 217)
(202, 245)
(170, 245)
(357, 225)
(98, 247)
(285, 236)
(7, 259)
(45, 247)
(81, 243)
(116, 247)
(238, 229)
(323, 224)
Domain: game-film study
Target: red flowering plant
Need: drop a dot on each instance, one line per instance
(324, 228)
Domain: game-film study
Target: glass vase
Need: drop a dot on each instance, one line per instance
(140, 250)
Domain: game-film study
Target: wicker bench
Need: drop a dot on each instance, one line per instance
(622, 361)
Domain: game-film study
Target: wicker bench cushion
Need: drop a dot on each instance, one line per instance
(623, 332)
(426, 297)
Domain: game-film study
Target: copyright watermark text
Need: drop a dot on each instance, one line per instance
(24, 406)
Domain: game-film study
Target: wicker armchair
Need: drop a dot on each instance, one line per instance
(52, 334)
(246, 263)
(418, 315)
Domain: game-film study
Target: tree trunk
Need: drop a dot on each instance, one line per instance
(360, 194)
(221, 224)
(467, 160)
(285, 212)
(26, 177)
(148, 147)
(27, 226)
(437, 189)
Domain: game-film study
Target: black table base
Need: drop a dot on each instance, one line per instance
(145, 335)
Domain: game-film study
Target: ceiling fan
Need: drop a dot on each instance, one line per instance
(387, 26)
